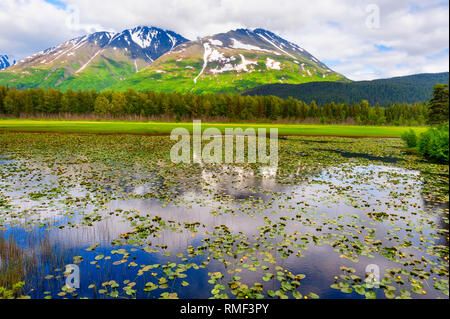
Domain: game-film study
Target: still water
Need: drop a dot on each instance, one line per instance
(225, 220)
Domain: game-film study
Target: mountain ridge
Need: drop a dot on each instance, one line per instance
(93, 61)
(229, 62)
(408, 89)
(136, 58)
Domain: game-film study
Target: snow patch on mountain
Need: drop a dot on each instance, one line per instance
(89, 61)
(206, 55)
(272, 64)
(225, 63)
(216, 42)
(272, 43)
(173, 40)
(226, 68)
(144, 40)
(74, 46)
(217, 56)
(239, 45)
(244, 64)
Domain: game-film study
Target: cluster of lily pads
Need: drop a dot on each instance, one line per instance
(140, 226)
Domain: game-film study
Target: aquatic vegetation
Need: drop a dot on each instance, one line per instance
(14, 293)
(140, 226)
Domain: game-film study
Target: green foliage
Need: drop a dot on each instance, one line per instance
(439, 105)
(206, 106)
(410, 137)
(14, 293)
(102, 105)
(434, 144)
(385, 92)
(99, 75)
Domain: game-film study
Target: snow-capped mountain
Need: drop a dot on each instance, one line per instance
(231, 62)
(149, 58)
(98, 60)
(263, 41)
(6, 61)
(149, 43)
(146, 43)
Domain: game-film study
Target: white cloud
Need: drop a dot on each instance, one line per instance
(333, 31)
(29, 26)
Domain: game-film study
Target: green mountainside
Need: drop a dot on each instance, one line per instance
(408, 89)
(250, 62)
(224, 63)
(92, 62)
(230, 63)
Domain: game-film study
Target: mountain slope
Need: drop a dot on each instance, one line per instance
(94, 61)
(409, 89)
(6, 61)
(229, 63)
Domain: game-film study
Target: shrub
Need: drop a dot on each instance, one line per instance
(410, 138)
(14, 293)
(433, 144)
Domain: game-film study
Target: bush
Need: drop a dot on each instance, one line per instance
(433, 144)
(14, 293)
(410, 138)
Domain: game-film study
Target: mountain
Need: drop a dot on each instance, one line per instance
(230, 63)
(6, 61)
(408, 89)
(94, 61)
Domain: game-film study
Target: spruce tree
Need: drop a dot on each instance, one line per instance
(439, 105)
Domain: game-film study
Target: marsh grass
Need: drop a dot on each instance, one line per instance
(14, 262)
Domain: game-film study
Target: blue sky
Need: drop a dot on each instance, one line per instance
(57, 3)
(398, 38)
(383, 48)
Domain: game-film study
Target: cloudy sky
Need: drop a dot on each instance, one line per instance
(362, 39)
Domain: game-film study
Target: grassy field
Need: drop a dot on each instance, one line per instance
(164, 128)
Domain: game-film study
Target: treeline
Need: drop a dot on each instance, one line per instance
(112, 104)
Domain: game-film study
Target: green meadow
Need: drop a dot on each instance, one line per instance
(164, 128)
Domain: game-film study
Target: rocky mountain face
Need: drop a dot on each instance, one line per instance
(94, 61)
(149, 58)
(230, 63)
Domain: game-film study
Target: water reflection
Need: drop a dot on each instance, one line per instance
(340, 201)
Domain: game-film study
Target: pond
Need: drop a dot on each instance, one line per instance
(138, 226)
